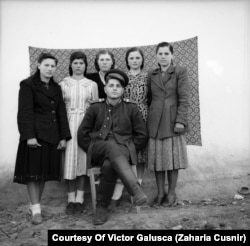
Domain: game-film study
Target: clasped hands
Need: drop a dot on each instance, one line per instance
(33, 143)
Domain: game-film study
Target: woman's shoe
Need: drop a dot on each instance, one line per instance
(70, 209)
(79, 208)
(159, 200)
(114, 204)
(36, 219)
(171, 201)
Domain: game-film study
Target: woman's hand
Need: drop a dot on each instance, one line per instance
(32, 143)
(62, 145)
(179, 128)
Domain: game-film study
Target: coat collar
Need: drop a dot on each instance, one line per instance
(39, 85)
(158, 75)
(170, 70)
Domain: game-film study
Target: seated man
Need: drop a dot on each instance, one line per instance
(111, 133)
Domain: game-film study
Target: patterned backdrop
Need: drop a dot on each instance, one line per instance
(186, 54)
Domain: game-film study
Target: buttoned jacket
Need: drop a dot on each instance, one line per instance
(124, 120)
(169, 102)
(41, 111)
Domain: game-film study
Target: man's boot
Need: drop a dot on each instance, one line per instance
(104, 195)
(126, 174)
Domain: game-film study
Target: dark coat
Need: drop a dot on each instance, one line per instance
(129, 128)
(169, 103)
(41, 111)
(96, 77)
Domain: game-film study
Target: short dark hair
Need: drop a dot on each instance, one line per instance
(134, 49)
(165, 44)
(78, 55)
(103, 52)
(46, 55)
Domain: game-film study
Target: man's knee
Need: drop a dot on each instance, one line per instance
(107, 171)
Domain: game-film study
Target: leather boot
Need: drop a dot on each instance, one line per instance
(126, 174)
(104, 195)
(101, 215)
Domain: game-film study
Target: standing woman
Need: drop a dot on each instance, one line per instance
(167, 122)
(104, 61)
(44, 130)
(136, 91)
(78, 91)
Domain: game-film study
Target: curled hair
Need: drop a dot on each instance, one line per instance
(104, 52)
(78, 55)
(134, 49)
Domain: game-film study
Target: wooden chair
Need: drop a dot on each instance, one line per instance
(94, 180)
(93, 174)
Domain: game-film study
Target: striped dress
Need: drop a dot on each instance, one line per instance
(77, 96)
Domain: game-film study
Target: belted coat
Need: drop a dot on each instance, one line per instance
(168, 101)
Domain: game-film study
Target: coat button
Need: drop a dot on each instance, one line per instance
(54, 120)
(107, 118)
(52, 102)
(104, 126)
(100, 134)
(53, 111)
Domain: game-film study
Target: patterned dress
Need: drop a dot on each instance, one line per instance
(77, 96)
(136, 91)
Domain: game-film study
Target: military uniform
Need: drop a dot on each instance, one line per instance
(121, 124)
(111, 135)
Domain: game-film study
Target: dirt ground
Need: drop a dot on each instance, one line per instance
(202, 205)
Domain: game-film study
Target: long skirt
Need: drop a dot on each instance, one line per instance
(37, 164)
(167, 154)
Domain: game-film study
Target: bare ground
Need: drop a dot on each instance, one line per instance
(202, 205)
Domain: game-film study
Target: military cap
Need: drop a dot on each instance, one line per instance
(117, 74)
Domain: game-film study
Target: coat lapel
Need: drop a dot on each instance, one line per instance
(167, 76)
(51, 92)
(156, 78)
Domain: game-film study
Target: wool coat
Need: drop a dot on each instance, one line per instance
(124, 120)
(168, 98)
(41, 111)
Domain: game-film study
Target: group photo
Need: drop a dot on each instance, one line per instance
(111, 128)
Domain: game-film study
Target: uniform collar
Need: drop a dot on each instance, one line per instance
(109, 104)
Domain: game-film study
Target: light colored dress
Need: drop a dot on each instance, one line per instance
(137, 91)
(77, 96)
